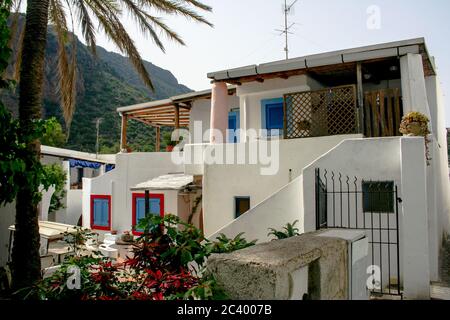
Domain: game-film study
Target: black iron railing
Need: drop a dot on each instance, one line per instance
(344, 202)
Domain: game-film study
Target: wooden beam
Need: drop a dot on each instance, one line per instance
(165, 118)
(158, 140)
(144, 109)
(123, 136)
(360, 95)
(177, 117)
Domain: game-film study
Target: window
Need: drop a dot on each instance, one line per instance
(378, 196)
(241, 206)
(100, 212)
(272, 115)
(156, 207)
(233, 125)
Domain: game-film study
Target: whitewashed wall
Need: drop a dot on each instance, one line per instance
(251, 94)
(224, 182)
(285, 206)
(8, 216)
(361, 158)
(131, 169)
(201, 112)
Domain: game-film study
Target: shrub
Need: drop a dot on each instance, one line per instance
(57, 175)
(288, 231)
(167, 264)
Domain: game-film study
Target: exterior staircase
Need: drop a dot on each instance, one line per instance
(441, 290)
(445, 262)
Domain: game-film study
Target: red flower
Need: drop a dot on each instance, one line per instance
(158, 296)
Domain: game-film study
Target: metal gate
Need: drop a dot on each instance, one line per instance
(344, 202)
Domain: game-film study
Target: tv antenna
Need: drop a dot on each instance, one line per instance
(287, 10)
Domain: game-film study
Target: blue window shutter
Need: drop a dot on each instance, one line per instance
(272, 114)
(155, 206)
(101, 212)
(233, 125)
(97, 212)
(140, 210)
(105, 211)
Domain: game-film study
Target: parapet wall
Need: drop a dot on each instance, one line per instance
(309, 266)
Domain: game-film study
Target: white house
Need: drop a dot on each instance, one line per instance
(76, 165)
(313, 139)
(117, 198)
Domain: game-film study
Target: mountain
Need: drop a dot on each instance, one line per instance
(105, 82)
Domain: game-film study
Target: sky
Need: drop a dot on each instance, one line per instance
(244, 33)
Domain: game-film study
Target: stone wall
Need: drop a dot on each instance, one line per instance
(305, 267)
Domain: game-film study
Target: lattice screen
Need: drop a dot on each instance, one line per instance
(321, 113)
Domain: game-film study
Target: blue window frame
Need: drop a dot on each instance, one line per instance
(100, 212)
(233, 125)
(272, 115)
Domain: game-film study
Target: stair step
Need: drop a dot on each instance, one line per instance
(440, 292)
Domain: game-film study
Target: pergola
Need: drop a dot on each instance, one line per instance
(174, 112)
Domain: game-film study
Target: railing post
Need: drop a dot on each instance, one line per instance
(285, 131)
(397, 200)
(317, 199)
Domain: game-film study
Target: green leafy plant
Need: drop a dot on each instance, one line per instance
(227, 245)
(164, 265)
(168, 142)
(288, 231)
(78, 239)
(54, 135)
(56, 174)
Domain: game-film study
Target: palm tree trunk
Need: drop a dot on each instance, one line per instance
(26, 263)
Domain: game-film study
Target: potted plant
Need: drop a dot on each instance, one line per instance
(170, 144)
(167, 140)
(127, 237)
(415, 124)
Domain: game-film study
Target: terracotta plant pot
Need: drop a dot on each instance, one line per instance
(127, 237)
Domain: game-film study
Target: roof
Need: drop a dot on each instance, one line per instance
(67, 153)
(167, 112)
(167, 182)
(373, 52)
(72, 154)
(51, 230)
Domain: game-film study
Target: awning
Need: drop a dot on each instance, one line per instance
(74, 163)
(167, 182)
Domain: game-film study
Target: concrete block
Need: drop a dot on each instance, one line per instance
(285, 269)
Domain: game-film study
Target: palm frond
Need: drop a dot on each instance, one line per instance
(175, 8)
(141, 18)
(87, 26)
(15, 20)
(199, 5)
(18, 58)
(67, 71)
(114, 29)
(171, 34)
(18, 46)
